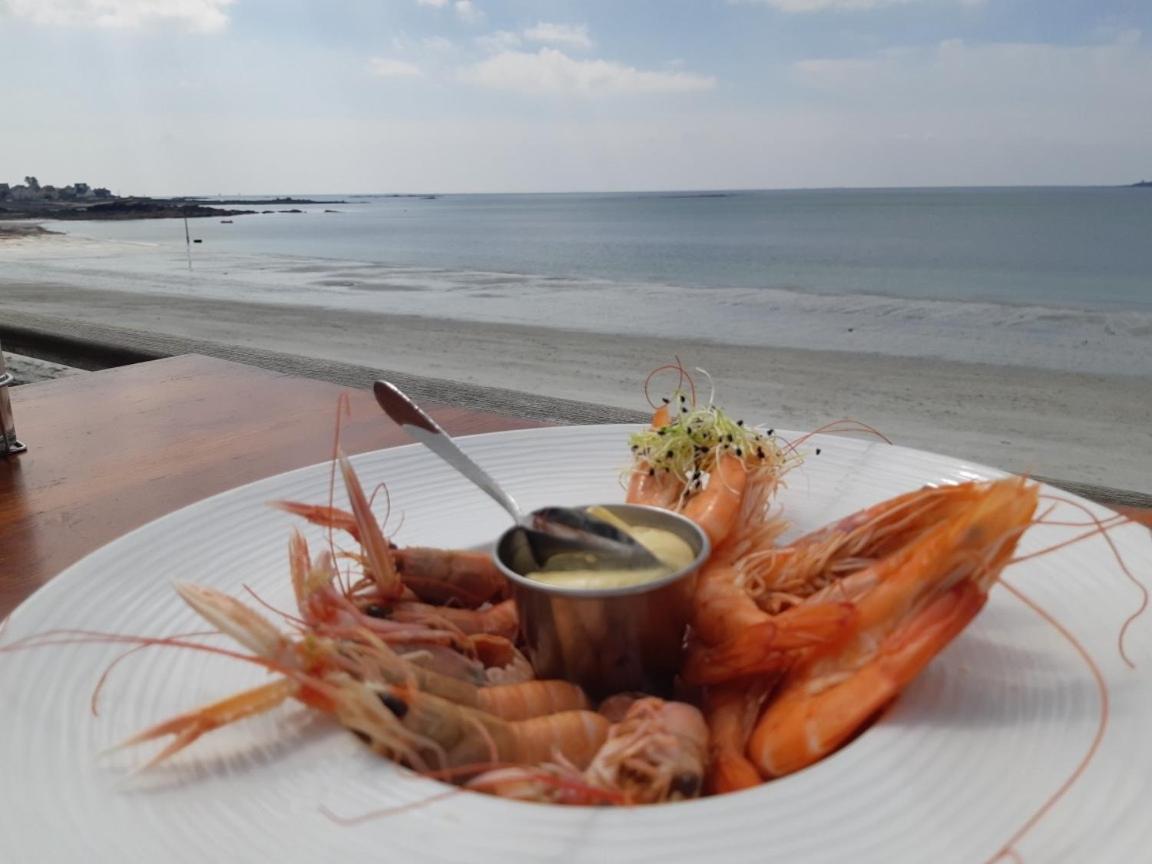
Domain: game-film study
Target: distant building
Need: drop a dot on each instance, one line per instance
(31, 190)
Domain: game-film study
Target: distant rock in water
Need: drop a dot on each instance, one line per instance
(293, 210)
(1142, 184)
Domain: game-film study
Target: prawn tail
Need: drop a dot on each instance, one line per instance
(730, 771)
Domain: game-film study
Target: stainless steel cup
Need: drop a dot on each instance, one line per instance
(8, 442)
(613, 639)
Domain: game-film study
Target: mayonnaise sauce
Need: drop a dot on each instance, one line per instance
(579, 570)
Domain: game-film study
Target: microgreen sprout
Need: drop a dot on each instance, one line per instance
(694, 438)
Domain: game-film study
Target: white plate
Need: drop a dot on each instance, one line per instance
(979, 742)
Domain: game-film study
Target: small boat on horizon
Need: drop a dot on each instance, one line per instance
(225, 221)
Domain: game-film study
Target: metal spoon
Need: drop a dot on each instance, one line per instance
(546, 531)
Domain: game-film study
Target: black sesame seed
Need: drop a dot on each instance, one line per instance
(375, 610)
(739, 452)
(665, 400)
(817, 451)
(651, 472)
(739, 422)
(771, 432)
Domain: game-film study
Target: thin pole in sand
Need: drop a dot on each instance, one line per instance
(187, 243)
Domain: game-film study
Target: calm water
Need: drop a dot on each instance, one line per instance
(1066, 247)
(1049, 278)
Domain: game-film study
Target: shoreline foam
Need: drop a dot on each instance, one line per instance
(1089, 428)
(1054, 337)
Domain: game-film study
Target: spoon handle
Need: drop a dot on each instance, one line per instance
(427, 431)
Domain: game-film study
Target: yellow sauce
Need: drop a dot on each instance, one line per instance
(579, 570)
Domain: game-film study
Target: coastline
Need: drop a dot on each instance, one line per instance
(1104, 340)
(1086, 428)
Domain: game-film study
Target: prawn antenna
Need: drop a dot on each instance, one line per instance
(1100, 527)
(1008, 849)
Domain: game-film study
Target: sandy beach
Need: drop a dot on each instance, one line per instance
(1084, 428)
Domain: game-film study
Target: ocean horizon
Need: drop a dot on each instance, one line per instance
(1053, 277)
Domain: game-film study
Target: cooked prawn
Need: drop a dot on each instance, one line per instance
(921, 596)
(326, 667)
(698, 461)
(658, 752)
(731, 711)
(782, 576)
(435, 733)
(465, 577)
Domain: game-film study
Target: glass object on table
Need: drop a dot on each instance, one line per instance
(9, 444)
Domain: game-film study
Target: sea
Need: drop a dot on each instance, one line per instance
(1051, 277)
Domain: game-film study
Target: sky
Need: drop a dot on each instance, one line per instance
(262, 96)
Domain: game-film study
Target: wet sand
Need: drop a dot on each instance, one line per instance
(1085, 428)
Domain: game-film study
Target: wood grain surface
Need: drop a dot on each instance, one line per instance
(109, 451)
(112, 450)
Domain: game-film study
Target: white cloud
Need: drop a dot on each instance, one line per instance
(439, 4)
(572, 35)
(199, 15)
(552, 71)
(1022, 76)
(500, 40)
(385, 67)
(466, 10)
(960, 114)
(436, 43)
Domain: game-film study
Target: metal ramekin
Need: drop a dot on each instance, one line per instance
(616, 639)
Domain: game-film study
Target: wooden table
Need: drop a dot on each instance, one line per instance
(109, 451)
